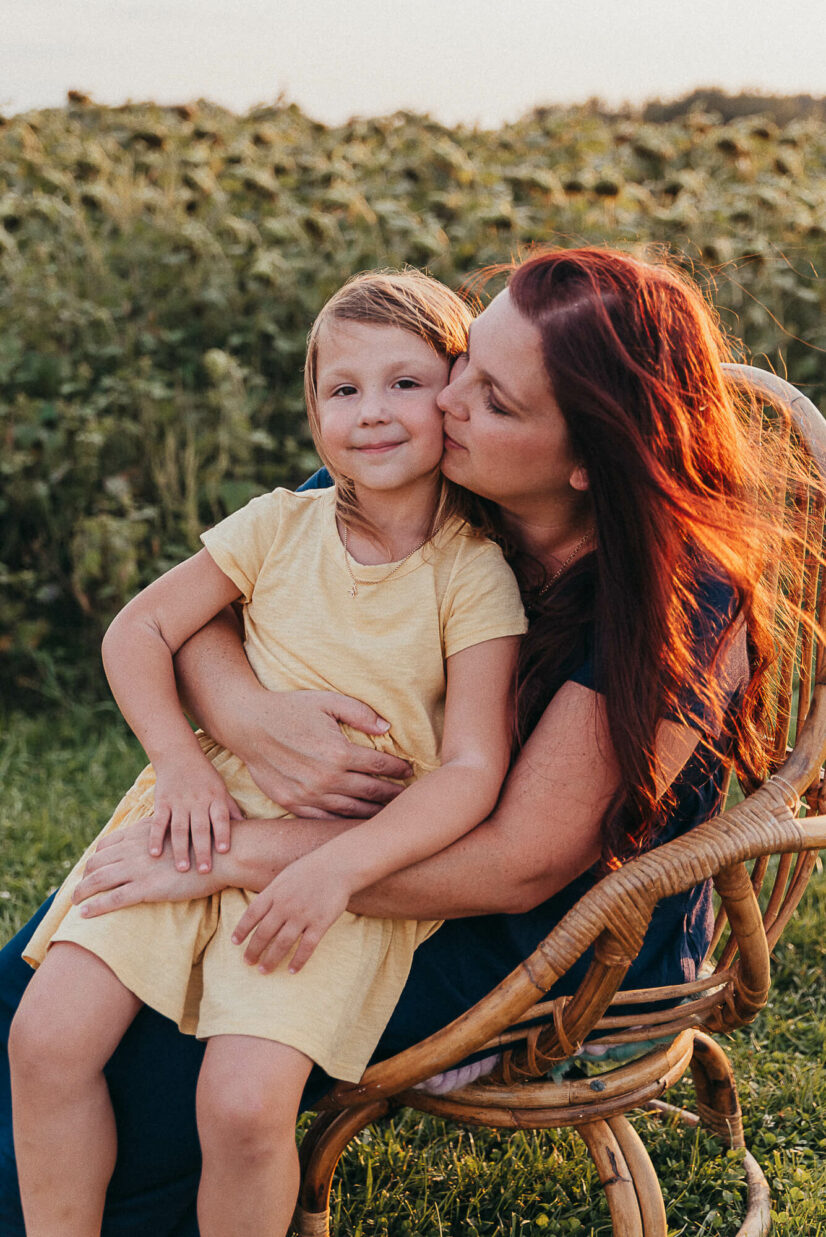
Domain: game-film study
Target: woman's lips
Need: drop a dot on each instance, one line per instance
(452, 445)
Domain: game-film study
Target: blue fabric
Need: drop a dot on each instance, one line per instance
(152, 1078)
(320, 480)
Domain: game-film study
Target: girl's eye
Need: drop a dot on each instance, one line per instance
(406, 384)
(346, 389)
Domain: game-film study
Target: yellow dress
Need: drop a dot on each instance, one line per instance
(303, 630)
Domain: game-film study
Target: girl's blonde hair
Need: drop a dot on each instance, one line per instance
(410, 301)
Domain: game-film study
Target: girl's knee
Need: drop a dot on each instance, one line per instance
(37, 1049)
(243, 1112)
(242, 1115)
(53, 1038)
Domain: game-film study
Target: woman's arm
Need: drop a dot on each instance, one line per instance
(291, 742)
(543, 833)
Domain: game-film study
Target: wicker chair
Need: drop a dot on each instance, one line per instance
(734, 849)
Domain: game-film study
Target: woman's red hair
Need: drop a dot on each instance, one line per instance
(634, 355)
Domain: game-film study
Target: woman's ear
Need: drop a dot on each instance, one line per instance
(579, 479)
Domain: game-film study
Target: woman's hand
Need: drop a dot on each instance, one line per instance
(297, 754)
(121, 872)
(290, 741)
(299, 905)
(194, 806)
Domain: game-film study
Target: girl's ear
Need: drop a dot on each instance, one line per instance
(579, 479)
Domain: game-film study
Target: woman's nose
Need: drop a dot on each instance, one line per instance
(450, 399)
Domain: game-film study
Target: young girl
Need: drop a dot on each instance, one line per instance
(379, 590)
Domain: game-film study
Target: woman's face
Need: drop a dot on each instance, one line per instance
(505, 437)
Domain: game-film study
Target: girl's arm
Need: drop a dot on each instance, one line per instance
(191, 799)
(291, 742)
(304, 899)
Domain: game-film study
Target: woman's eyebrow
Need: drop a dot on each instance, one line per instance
(496, 382)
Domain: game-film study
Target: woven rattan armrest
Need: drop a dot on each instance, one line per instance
(619, 907)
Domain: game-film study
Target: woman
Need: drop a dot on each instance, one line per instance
(591, 417)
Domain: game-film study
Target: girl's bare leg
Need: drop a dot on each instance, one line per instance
(249, 1092)
(71, 1019)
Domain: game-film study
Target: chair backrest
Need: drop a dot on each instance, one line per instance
(799, 574)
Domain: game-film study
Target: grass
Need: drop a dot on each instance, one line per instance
(60, 776)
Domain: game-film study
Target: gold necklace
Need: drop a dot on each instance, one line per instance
(553, 579)
(354, 591)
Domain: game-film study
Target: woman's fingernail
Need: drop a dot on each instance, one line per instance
(84, 910)
(236, 940)
(183, 866)
(383, 725)
(204, 867)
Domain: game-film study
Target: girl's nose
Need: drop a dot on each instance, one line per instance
(372, 410)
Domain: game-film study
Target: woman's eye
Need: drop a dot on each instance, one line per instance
(500, 412)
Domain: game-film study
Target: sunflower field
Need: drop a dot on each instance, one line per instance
(160, 268)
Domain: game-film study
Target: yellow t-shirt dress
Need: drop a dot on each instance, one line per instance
(303, 630)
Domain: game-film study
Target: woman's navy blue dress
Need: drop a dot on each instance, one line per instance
(153, 1073)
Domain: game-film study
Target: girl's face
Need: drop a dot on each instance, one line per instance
(377, 413)
(505, 437)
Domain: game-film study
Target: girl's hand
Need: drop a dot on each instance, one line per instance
(300, 904)
(193, 804)
(121, 872)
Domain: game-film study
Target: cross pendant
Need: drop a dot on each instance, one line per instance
(354, 592)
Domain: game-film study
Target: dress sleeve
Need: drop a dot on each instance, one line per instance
(716, 605)
(483, 602)
(241, 542)
(713, 623)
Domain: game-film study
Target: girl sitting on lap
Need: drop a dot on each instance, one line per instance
(377, 589)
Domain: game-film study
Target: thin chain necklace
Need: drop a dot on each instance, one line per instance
(354, 591)
(553, 579)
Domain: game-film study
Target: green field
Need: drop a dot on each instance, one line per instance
(412, 1176)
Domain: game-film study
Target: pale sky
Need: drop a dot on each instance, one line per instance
(484, 61)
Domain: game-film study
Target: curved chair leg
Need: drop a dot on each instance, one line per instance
(719, 1111)
(649, 1194)
(320, 1151)
(615, 1176)
(717, 1104)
